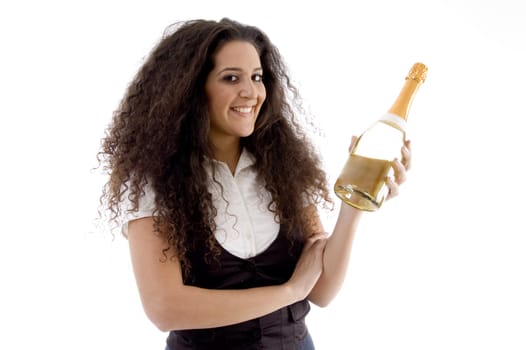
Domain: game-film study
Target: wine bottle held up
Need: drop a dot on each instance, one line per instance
(361, 183)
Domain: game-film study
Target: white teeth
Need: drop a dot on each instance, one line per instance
(243, 109)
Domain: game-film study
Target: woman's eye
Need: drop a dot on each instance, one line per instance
(257, 78)
(230, 78)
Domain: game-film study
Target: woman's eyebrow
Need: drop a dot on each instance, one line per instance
(236, 69)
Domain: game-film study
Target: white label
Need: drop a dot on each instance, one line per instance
(394, 119)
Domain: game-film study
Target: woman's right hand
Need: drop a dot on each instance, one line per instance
(309, 266)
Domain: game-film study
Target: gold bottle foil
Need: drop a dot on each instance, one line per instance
(418, 72)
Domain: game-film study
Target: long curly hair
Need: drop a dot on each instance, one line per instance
(159, 136)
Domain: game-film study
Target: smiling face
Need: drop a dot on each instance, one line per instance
(235, 92)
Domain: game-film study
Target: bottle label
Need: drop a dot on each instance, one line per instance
(394, 120)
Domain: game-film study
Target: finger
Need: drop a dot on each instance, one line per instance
(319, 245)
(393, 188)
(353, 142)
(406, 155)
(315, 241)
(312, 239)
(320, 241)
(400, 173)
(318, 235)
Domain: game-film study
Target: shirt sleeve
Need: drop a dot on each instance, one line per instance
(145, 208)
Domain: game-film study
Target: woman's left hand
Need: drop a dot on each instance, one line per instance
(400, 171)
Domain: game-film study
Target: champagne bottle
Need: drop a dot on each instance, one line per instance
(361, 183)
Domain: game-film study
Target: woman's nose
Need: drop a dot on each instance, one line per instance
(248, 90)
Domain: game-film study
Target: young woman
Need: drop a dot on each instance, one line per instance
(217, 190)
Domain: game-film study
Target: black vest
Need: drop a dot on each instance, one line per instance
(283, 329)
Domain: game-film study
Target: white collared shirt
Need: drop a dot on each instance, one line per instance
(245, 226)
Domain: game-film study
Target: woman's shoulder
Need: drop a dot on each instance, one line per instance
(145, 206)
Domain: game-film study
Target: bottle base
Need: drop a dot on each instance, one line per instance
(356, 198)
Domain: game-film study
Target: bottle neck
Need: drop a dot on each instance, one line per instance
(403, 102)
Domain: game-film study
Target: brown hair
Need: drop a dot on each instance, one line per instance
(159, 135)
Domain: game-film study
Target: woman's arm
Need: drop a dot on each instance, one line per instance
(171, 305)
(336, 255)
(339, 245)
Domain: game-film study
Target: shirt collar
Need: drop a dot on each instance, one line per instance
(246, 160)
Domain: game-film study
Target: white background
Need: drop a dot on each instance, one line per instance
(443, 266)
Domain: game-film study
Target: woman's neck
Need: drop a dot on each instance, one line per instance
(228, 153)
